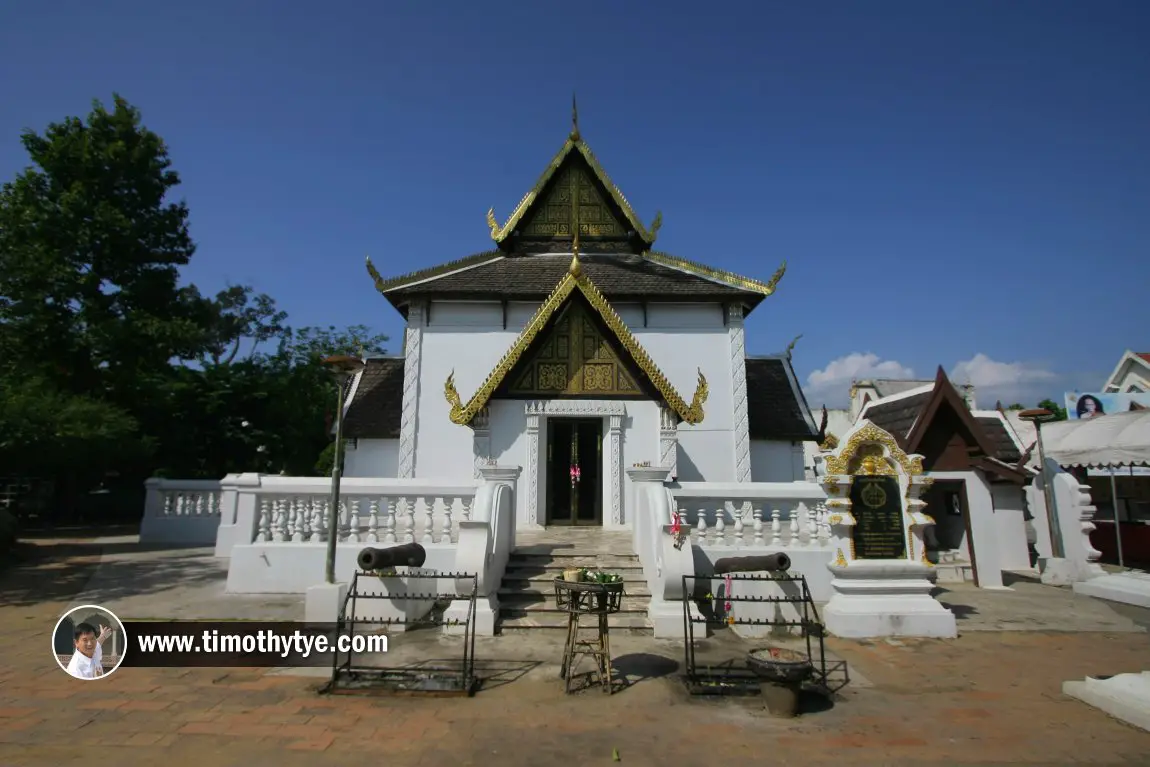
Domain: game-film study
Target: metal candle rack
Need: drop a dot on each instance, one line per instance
(433, 678)
(735, 677)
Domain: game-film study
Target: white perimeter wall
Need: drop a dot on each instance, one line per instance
(1010, 522)
(468, 337)
(372, 458)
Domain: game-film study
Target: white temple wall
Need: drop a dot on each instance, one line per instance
(469, 339)
(372, 458)
(983, 526)
(1010, 522)
(776, 461)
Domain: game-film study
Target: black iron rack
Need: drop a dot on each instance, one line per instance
(734, 676)
(431, 678)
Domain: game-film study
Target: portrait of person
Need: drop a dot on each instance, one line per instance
(1089, 406)
(88, 660)
(89, 642)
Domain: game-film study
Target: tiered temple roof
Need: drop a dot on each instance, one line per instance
(532, 248)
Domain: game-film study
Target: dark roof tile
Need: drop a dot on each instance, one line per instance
(534, 277)
(898, 417)
(774, 410)
(1004, 448)
(377, 407)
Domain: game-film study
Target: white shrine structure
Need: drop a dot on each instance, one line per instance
(570, 376)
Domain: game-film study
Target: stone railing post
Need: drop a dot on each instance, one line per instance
(239, 512)
(153, 507)
(493, 474)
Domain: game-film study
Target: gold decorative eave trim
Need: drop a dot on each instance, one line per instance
(730, 278)
(501, 233)
(384, 285)
(576, 279)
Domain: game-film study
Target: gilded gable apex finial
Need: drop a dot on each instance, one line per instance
(574, 118)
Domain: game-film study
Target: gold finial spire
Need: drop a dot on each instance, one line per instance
(574, 209)
(574, 118)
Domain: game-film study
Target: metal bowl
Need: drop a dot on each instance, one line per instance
(778, 664)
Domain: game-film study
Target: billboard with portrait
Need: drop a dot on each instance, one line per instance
(1094, 404)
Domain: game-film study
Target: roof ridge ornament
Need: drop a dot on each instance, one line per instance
(574, 119)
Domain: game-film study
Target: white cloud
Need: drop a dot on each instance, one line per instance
(1006, 381)
(986, 373)
(993, 380)
(832, 383)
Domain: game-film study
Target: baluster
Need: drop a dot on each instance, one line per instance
(737, 515)
(448, 503)
(408, 520)
(389, 522)
(812, 525)
(168, 504)
(428, 517)
(467, 499)
(794, 531)
(295, 524)
(344, 517)
(199, 504)
(757, 525)
(824, 524)
(279, 523)
(702, 527)
(776, 528)
(353, 508)
(316, 512)
(373, 521)
(720, 527)
(265, 533)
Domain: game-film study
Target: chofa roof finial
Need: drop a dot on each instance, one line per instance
(574, 118)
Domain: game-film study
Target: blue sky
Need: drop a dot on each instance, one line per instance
(954, 183)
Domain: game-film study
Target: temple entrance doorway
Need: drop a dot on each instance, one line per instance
(574, 471)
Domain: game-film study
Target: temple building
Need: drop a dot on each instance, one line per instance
(573, 349)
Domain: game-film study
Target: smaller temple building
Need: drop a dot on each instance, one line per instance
(978, 465)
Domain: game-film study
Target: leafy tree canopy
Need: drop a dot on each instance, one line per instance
(108, 365)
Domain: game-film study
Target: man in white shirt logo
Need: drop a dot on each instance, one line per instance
(87, 662)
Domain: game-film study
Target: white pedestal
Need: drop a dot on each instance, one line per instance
(1128, 588)
(324, 602)
(1125, 696)
(667, 619)
(886, 598)
(482, 623)
(1061, 572)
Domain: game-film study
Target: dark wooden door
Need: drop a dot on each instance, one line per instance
(571, 443)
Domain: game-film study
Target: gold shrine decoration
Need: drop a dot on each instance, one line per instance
(576, 279)
(867, 444)
(574, 143)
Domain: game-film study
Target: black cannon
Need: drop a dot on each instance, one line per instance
(769, 563)
(409, 554)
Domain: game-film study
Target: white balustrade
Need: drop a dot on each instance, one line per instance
(287, 510)
(775, 515)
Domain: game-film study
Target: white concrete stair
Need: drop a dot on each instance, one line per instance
(527, 593)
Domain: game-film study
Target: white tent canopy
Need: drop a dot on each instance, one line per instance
(1121, 439)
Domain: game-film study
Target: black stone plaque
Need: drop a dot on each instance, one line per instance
(877, 508)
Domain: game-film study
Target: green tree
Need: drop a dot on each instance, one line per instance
(91, 312)
(1053, 407)
(305, 399)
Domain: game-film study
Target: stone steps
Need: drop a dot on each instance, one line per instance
(527, 592)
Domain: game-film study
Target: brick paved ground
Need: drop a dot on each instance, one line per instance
(986, 698)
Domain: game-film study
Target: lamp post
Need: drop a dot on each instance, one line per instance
(343, 368)
(1039, 416)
